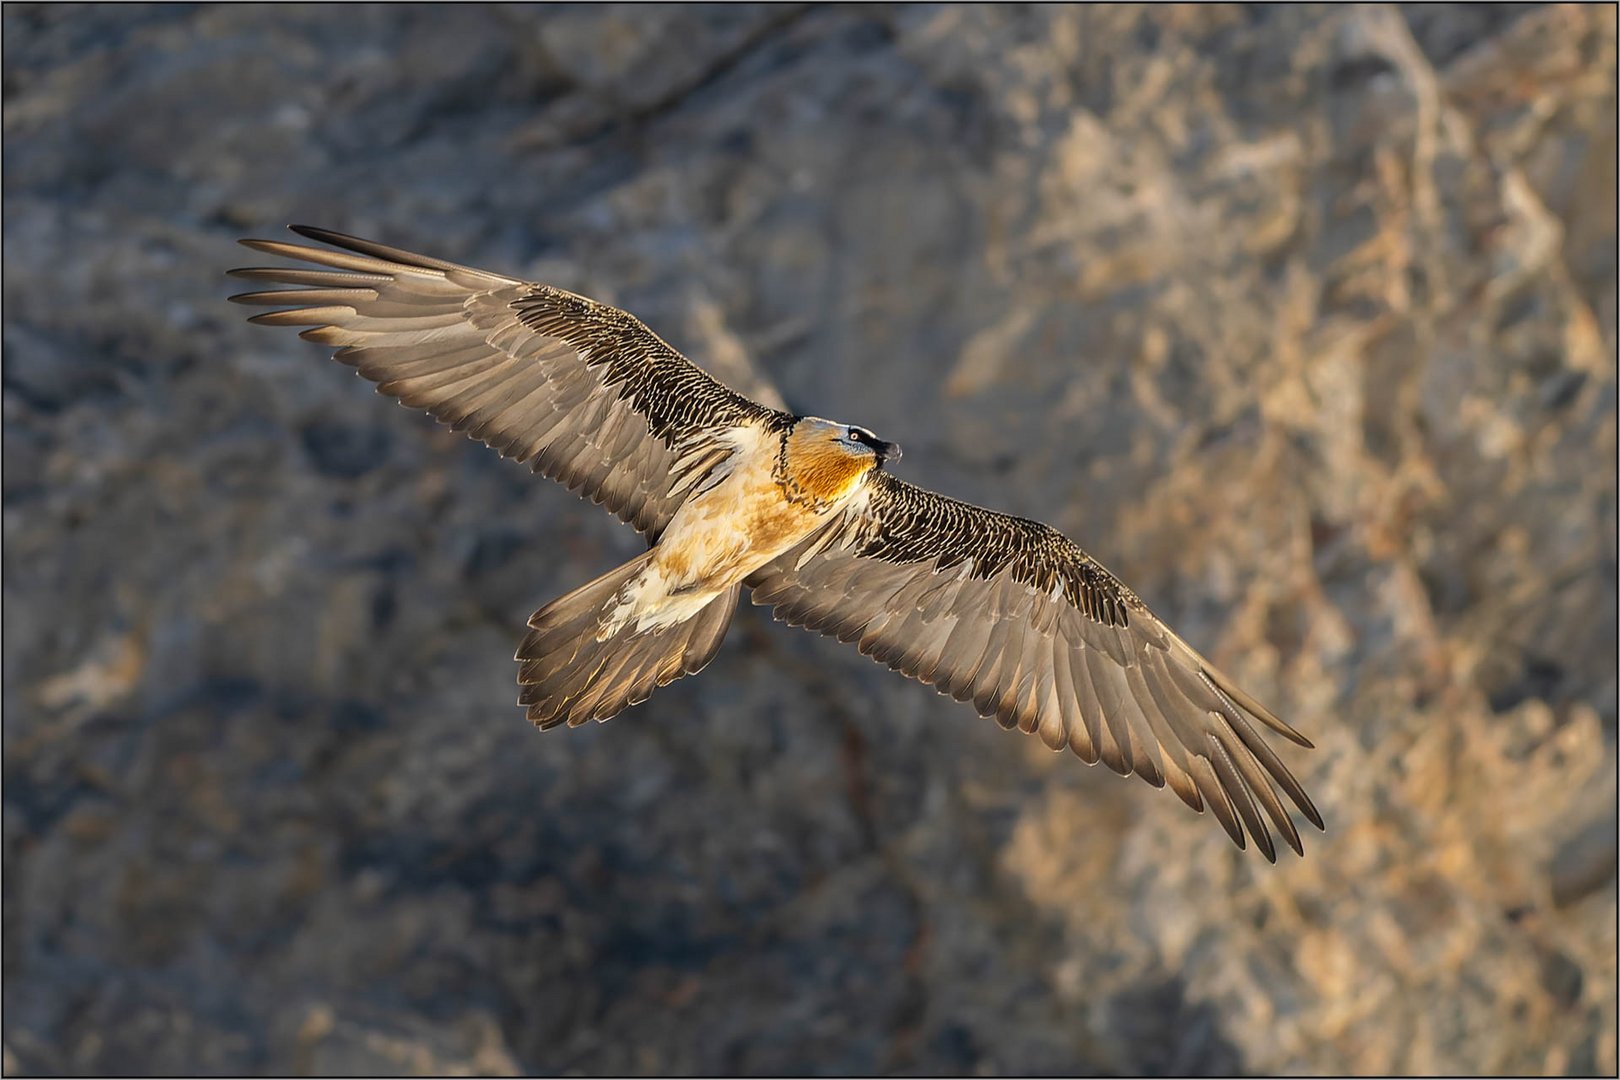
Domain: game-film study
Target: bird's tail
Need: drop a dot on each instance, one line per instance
(577, 666)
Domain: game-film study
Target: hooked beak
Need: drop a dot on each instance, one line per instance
(887, 452)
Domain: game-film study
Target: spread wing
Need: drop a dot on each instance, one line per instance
(1014, 616)
(581, 390)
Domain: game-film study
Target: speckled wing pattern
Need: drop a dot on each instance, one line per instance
(582, 391)
(1013, 616)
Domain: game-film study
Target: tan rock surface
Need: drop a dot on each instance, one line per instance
(1302, 320)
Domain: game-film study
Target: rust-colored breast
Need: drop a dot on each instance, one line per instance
(817, 470)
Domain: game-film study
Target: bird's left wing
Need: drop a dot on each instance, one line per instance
(1014, 616)
(582, 390)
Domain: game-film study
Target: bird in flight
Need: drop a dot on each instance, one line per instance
(997, 610)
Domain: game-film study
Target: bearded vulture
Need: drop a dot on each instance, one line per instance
(1000, 611)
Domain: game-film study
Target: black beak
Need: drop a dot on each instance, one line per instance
(887, 451)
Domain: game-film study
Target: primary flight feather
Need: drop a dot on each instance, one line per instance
(1000, 611)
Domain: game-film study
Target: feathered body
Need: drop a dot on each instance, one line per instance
(773, 489)
(1000, 611)
(612, 642)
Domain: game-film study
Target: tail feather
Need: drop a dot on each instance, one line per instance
(569, 677)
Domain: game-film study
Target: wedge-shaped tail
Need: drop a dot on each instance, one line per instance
(570, 675)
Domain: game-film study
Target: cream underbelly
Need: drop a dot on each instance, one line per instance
(713, 542)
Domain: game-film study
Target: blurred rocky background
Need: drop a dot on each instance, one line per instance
(1302, 320)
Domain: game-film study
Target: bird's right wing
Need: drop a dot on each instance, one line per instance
(582, 390)
(1014, 616)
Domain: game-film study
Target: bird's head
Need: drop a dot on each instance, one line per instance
(827, 460)
(863, 444)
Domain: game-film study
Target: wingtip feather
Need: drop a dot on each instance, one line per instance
(269, 247)
(1314, 815)
(324, 236)
(1253, 706)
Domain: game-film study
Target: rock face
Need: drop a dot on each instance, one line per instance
(1303, 321)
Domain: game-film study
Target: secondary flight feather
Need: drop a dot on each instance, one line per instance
(999, 611)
